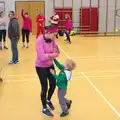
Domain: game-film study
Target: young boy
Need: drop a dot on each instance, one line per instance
(62, 83)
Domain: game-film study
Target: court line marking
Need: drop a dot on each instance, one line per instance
(63, 52)
(76, 72)
(96, 56)
(102, 76)
(21, 75)
(31, 75)
(90, 76)
(109, 104)
(98, 59)
(24, 80)
(100, 71)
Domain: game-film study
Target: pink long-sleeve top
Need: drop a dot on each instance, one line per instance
(43, 48)
(27, 22)
(68, 24)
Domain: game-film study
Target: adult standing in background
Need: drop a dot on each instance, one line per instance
(3, 25)
(54, 20)
(26, 28)
(14, 35)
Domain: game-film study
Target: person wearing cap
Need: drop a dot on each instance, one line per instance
(47, 51)
(54, 20)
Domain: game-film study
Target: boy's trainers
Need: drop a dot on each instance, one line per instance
(69, 105)
(63, 114)
(50, 105)
(47, 112)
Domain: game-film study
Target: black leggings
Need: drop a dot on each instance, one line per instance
(68, 35)
(25, 33)
(44, 75)
(2, 35)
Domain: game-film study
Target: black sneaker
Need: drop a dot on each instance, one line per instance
(16, 62)
(69, 105)
(63, 114)
(47, 112)
(50, 105)
(65, 40)
(1, 80)
(57, 36)
(5, 48)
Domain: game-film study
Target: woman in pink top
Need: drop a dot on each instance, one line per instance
(47, 50)
(26, 28)
(68, 27)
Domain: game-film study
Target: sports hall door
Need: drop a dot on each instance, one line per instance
(31, 8)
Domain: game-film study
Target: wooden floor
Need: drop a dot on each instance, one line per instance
(94, 89)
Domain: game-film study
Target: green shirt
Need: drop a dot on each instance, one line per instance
(63, 77)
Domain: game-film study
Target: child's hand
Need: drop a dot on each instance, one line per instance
(55, 50)
(46, 55)
(30, 33)
(52, 71)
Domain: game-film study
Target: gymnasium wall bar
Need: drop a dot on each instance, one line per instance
(90, 16)
(90, 5)
(81, 15)
(98, 13)
(63, 6)
(115, 17)
(72, 10)
(106, 16)
(53, 4)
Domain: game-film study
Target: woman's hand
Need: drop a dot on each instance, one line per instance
(52, 71)
(47, 55)
(56, 49)
(30, 33)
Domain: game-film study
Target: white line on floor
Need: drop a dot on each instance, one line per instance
(110, 105)
(28, 80)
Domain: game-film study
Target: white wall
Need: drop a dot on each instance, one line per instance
(118, 18)
(102, 16)
(10, 5)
